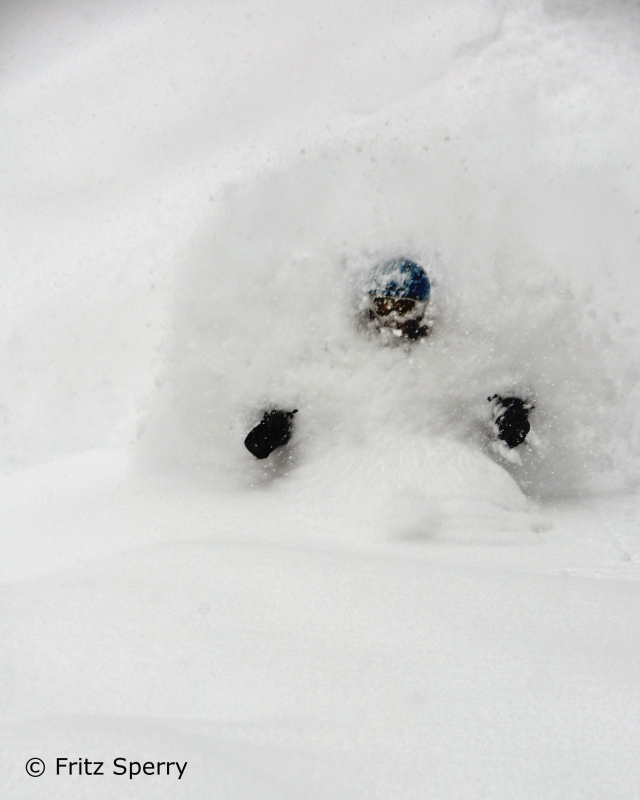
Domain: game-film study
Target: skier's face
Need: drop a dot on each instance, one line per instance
(398, 316)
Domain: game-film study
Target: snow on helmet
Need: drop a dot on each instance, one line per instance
(400, 278)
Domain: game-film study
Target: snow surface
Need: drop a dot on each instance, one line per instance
(193, 196)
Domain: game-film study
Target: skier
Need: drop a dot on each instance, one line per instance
(395, 305)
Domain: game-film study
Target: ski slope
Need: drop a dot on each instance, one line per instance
(193, 198)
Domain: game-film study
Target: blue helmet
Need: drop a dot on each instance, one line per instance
(400, 278)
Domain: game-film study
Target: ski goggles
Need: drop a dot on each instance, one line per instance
(383, 306)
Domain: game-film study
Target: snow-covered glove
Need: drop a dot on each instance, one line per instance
(273, 431)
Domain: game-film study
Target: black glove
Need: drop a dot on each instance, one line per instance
(511, 418)
(274, 431)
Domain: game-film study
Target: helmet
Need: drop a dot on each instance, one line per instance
(400, 278)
